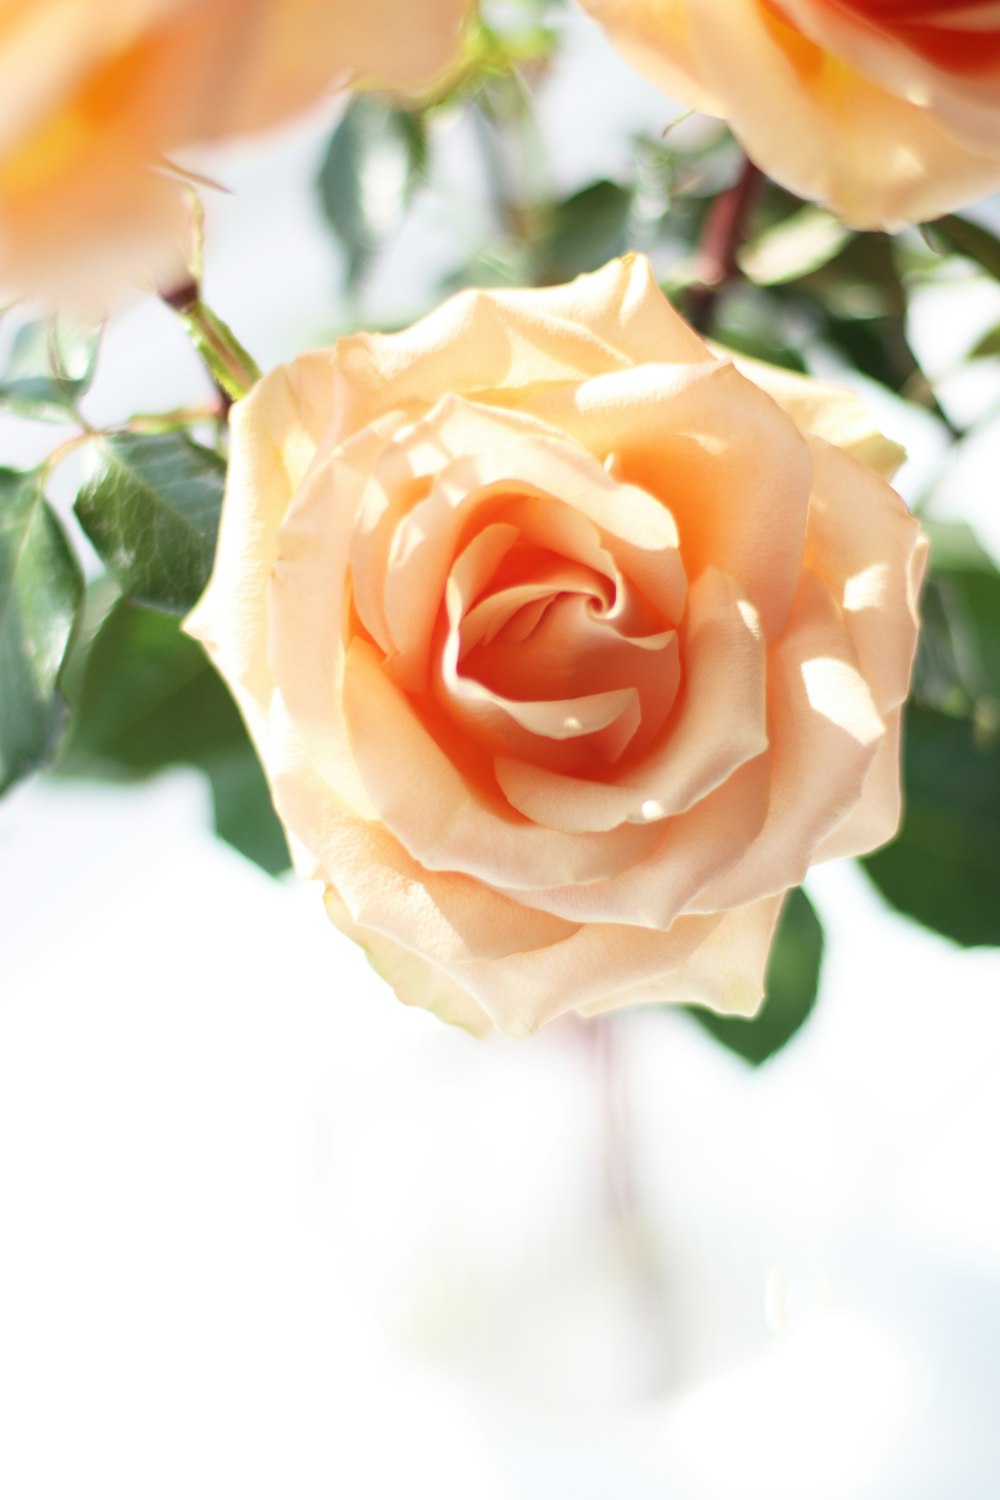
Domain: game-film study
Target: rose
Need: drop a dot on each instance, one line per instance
(566, 646)
(887, 110)
(98, 92)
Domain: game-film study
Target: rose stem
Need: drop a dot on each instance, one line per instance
(715, 259)
(232, 369)
(621, 1198)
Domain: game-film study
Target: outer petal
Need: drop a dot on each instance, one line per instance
(276, 432)
(527, 989)
(414, 979)
(725, 972)
(820, 409)
(655, 37)
(825, 732)
(866, 547)
(503, 346)
(825, 131)
(945, 58)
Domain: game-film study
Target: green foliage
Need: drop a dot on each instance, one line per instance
(958, 663)
(944, 868)
(50, 367)
(586, 230)
(148, 699)
(790, 988)
(973, 241)
(40, 591)
(152, 513)
(988, 347)
(374, 163)
(805, 241)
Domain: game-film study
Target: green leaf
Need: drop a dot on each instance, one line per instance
(790, 249)
(149, 699)
(376, 158)
(965, 238)
(244, 816)
(40, 591)
(152, 513)
(50, 367)
(790, 988)
(958, 661)
(754, 321)
(988, 347)
(944, 868)
(587, 230)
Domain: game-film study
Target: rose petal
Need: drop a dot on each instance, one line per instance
(725, 972)
(276, 432)
(821, 716)
(444, 821)
(415, 980)
(730, 465)
(866, 547)
(525, 990)
(822, 410)
(721, 724)
(503, 345)
(825, 131)
(692, 851)
(944, 60)
(874, 818)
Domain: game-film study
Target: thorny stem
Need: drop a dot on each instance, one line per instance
(232, 369)
(716, 258)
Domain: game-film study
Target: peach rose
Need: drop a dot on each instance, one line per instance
(97, 92)
(567, 645)
(887, 110)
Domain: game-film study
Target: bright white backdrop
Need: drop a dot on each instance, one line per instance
(265, 1232)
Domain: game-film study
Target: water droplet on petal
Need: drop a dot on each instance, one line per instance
(651, 809)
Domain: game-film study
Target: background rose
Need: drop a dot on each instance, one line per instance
(97, 92)
(887, 110)
(566, 645)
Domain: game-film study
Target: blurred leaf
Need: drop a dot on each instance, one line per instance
(988, 346)
(965, 238)
(500, 263)
(244, 816)
(376, 158)
(958, 660)
(742, 342)
(40, 591)
(790, 988)
(149, 699)
(875, 347)
(863, 281)
(587, 230)
(152, 513)
(944, 868)
(805, 241)
(51, 365)
(761, 323)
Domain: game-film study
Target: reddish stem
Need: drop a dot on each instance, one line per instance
(715, 261)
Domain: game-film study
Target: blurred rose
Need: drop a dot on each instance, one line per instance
(97, 92)
(567, 647)
(887, 110)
